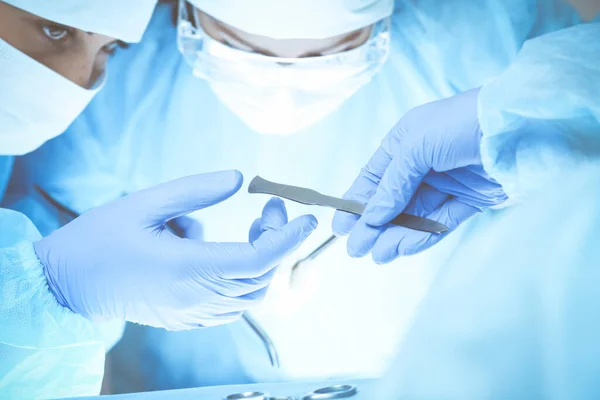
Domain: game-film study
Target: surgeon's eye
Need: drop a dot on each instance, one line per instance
(112, 47)
(56, 32)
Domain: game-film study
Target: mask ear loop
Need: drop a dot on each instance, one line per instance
(183, 13)
(196, 17)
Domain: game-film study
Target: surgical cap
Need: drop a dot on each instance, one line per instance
(124, 20)
(297, 19)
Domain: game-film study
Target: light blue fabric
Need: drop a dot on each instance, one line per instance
(46, 351)
(154, 121)
(218, 356)
(543, 115)
(6, 167)
(522, 320)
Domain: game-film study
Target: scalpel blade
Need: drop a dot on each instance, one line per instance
(312, 197)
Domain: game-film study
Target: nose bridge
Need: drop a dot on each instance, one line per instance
(93, 61)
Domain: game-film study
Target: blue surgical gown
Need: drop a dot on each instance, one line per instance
(154, 122)
(46, 351)
(522, 321)
(514, 314)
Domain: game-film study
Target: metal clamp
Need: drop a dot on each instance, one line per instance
(280, 398)
(246, 396)
(332, 392)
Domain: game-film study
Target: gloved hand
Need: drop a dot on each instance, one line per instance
(428, 165)
(119, 261)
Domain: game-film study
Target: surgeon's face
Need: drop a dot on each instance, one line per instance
(286, 48)
(79, 56)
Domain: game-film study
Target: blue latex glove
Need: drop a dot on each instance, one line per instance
(428, 165)
(119, 261)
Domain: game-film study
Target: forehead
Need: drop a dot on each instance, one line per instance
(288, 48)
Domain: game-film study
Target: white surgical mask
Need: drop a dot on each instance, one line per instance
(274, 95)
(36, 103)
(281, 110)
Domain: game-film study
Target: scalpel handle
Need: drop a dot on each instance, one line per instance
(312, 197)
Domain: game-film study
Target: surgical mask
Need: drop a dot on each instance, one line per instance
(36, 103)
(275, 95)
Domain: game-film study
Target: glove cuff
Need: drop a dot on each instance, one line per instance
(49, 273)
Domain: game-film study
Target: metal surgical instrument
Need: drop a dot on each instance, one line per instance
(314, 254)
(311, 197)
(264, 338)
(332, 392)
(247, 396)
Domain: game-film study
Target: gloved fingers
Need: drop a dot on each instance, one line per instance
(227, 318)
(468, 186)
(244, 286)
(244, 301)
(220, 304)
(400, 241)
(219, 319)
(207, 312)
(482, 190)
(255, 297)
(397, 187)
(274, 215)
(389, 242)
(255, 230)
(365, 234)
(424, 202)
(362, 239)
(245, 260)
(361, 190)
(237, 306)
(172, 199)
(343, 223)
(453, 213)
(273, 245)
(186, 227)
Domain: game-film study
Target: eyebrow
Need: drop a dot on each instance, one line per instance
(351, 36)
(243, 41)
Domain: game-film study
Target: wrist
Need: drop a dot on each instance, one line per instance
(50, 273)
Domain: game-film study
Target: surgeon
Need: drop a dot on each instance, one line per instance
(514, 315)
(301, 93)
(119, 262)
